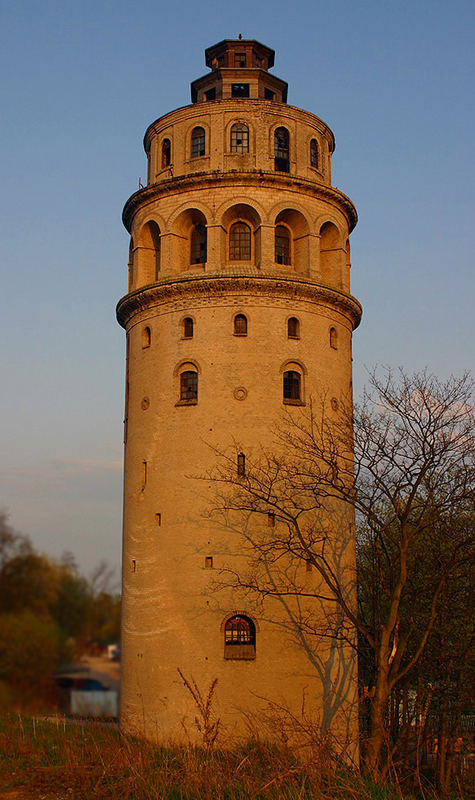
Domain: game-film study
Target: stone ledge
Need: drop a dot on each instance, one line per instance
(215, 285)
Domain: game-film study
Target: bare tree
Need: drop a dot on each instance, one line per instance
(403, 462)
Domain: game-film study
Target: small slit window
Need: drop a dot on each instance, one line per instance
(198, 245)
(314, 153)
(189, 386)
(241, 465)
(239, 138)
(281, 150)
(282, 245)
(293, 328)
(292, 386)
(187, 328)
(166, 153)
(239, 638)
(240, 242)
(198, 142)
(240, 325)
(333, 339)
(146, 337)
(208, 562)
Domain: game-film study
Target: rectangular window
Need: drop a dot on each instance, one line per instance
(271, 519)
(241, 465)
(144, 475)
(240, 90)
(239, 59)
(158, 519)
(269, 94)
(208, 562)
(211, 94)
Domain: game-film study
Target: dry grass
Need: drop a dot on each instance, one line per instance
(58, 760)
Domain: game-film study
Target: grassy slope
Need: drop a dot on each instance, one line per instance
(56, 760)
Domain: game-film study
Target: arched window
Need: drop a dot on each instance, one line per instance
(198, 244)
(239, 138)
(166, 153)
(282, 245)
(198, 142)
(293, 328)
(239, 638)
(146, 337)
(314, 153)
(189, 386)
(240, 242)
(333, 339)
(187, 328)
(281, 150)
(240, 325)
(292, 382)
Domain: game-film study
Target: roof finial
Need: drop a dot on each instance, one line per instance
(240, 36)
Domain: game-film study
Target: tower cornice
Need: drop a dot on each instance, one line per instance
(257, 177)
(248, 281)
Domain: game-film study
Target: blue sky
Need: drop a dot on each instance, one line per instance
(80, 82)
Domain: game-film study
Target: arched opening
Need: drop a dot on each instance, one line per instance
(166, 158)
(331, 253)
(239, 138)
(188, 328)
(148, 253)
(188, 240)
(239, 638)
(131, 264)
(242, 242)
(240, 325)
(297, 249)
(198, 243)
(198, 142)
(293, 328)
(292, 386)
(314, 153)
(282, 245)
(146, 337)
(239, 242)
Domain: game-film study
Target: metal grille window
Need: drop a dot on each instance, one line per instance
(293, 328)
(198, 142)
(198, 245)
(240, 325)
(282, 245)
(166, 153)
(314, 153)
(240, 638)
(281, 150)
(188, 328)
(292, 385)
(189, 385)
(239, 90)
(239, 138)
(240, 242)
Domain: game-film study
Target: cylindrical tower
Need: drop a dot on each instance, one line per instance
(238, 310)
